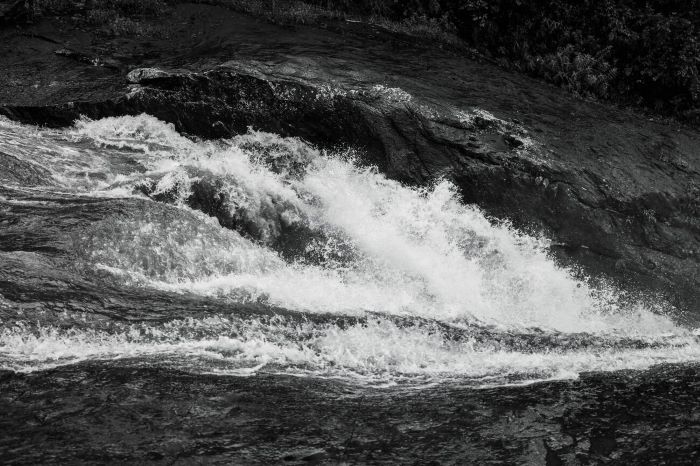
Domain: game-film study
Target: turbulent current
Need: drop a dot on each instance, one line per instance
(122, 239)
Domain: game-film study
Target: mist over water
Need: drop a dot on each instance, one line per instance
(357, 276)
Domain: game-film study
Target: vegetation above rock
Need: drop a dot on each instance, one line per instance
(644, 53)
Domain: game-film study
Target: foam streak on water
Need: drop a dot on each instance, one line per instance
(316, 233)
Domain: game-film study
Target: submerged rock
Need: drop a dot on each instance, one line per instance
(145, 75)
(20, 172)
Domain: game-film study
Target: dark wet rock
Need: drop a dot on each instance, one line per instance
(219, 130)
(16, 171)
(271, 226)
(123, 412)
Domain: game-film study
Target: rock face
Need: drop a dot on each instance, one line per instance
(631, 215)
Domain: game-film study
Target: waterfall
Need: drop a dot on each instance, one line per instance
(378, 281)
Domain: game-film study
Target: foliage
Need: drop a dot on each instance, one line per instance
(641, 52)
(115, 17)
(284, 11)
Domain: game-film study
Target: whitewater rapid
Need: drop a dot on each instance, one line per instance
(424, 287)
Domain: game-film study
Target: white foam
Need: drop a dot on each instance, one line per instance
(376, 351)
(415, 251)
(375, 244)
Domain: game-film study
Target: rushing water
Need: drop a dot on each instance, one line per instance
(122, 239)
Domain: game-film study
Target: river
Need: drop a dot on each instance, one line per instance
(130, 252)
